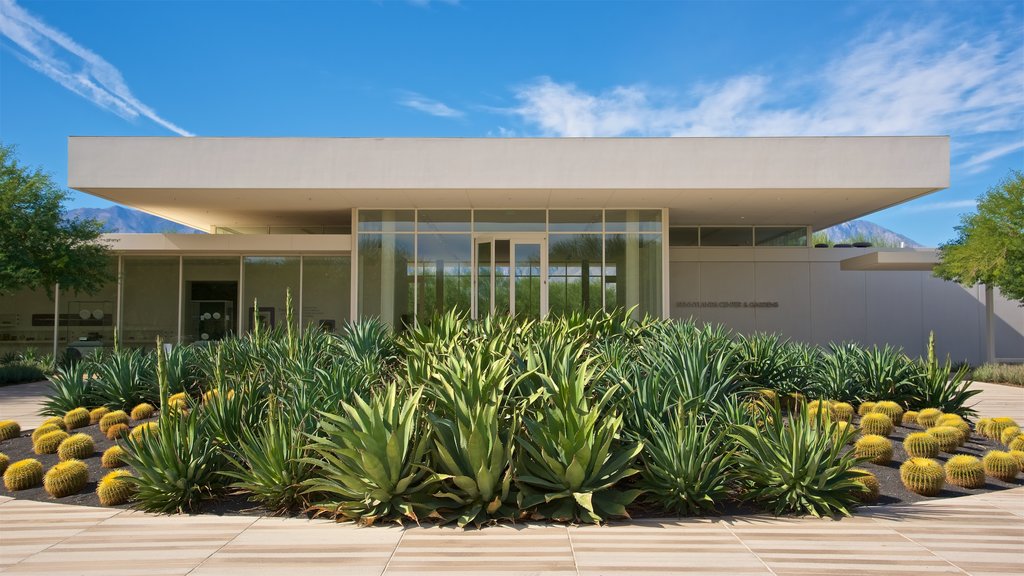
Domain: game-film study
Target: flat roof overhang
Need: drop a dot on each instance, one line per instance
(206, 182)
(906, 260)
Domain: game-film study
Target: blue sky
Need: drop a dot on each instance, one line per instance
(525, 69)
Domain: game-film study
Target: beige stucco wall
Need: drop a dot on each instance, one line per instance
(819, 302)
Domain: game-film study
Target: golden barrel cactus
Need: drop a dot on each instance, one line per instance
(1001, 465)
(995, 427)
(842, 411)
(49, 442)
(143, 411)
(178, 401)
(115, 417)
(76, 447)
(965, 471)
(45, 429)
(874, 447)
(5, 460)
(923, 476)
(891, 409)
(96, 413)
(1018, 455)
(113, 457)
(865, 408)
(1017, 443)
(117, 431)
(115, 488)
(909, 418)
(876, 423)
(870, 483)
(1009, 434)
(926, 418)
(921, 445)
(77, 418)
(23, 474)
(66, 478)
(949, 438)
(149, 429)
(9, 429)
(56, 421)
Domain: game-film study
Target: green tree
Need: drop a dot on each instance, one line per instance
(39, 245)
(989, 248)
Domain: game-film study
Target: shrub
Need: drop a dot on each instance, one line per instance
(45, 429)
(1000, 373)
(874, 448)
(1009, 434)
(796, 465)
(909, 418)
(923, 476)
(96, 413)
(23, 474)
(18, 373)
(921, 445)
(66, 478)
(1001, 465)
(995, 427)
(949, 438)
(872, 488)
(115, 417)
(48, 443)
(116, 488)
(842, 411)
(143, 411)
(70, 386)
(865, 408)
(113, 457)
(965, 471)
(117, 431)
(9, 429)
(926, 418)
(891, 409)
(76, 447)
(77, 418)
(875, 423)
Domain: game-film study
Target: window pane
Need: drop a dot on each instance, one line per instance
(210, 298)
(632, 220)
(483, 279)
(385, 277)
(527, 272)
(502, 273)
(726, 236)
(268, 279)
(574, 221)
(633, 273)
(26, 321)
(150, 300)
(444, 278)
(386, 220)
(682, 236)
(91, 317)
(326, 286)
(443, 221)
(510, 220)
(574, 273)
(771, 236)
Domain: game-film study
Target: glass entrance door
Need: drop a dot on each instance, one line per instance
(510, 276)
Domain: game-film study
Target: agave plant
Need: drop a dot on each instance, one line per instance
(942, 386)
(473, 428)
(887, 374)
(369, 461)
(837, 375)
(774, 363)
(125, 378)
(571, 460)
(71, 387)
(686, 463)
(800, 464)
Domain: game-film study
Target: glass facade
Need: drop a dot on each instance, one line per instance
(326, 289)
(266, 283)
(149, 299)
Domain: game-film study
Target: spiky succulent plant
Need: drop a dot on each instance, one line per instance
(1001, 465)
(926, 418)
(842, 411)
(995, 427)
(115, 417)
(981, 426)
(909, 418)
(66, 478)
(865, 408)
(113, 457)
(1018, 455)
(846, 430)
(875, 423)
(23, 474)
(921, 445)
(177, 401)
(116, 488)
(148, 428)
(948, 437)
(56, 421)
(77, 418)
(117, 431)
(966, 471)
(45, 429)
(9, 429)
(48, 443)
(143, 411)
(1009, 434)
(877, 449)
(96, 413)
(891, 409)
(1016, 443)
(4, 462)
(76, 447)
(870, 482)
(923, 476)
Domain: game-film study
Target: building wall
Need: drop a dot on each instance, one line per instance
(803, 294)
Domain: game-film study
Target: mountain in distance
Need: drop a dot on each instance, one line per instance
(128, 220)
(864, 230)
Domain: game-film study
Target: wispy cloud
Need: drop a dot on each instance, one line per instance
(429, 106)
(73, 66)
(911, 80)
(980, 162)
(939, 206)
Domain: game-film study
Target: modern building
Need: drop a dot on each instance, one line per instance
(716, 229)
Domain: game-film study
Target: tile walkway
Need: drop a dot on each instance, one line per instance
(21, 403)
(980, 535)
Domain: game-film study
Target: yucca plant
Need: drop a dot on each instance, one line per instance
(686, 463)
(887, 373)
(774, 363)
(799, 464)
(943, 387)
(71, 386)
(837, 373)
(124, 378)
(572, 460)
(370, 460)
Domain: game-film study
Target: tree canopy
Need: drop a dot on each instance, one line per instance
(989, 248)
(39, 245)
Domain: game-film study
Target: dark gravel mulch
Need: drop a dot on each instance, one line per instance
(892, 489)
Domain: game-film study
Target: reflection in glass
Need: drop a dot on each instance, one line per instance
(444, 274)
(443, 221)
(387, 220)
(502, 269)
(528, 277)
(149, 300)
(574, 221)
(509, 220)
(326, 287)
(483, 282)
(266, 284)
(210, 298)
(632, 220)
(385, 277)
(778, 236)
(574, 273)
(726, 236)
(633, 273)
